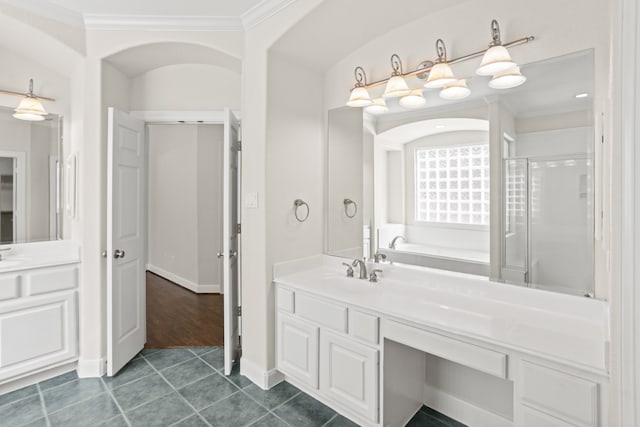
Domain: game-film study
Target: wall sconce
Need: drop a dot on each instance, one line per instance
(30, 108)
(441, 73)
(396, 86)
(496, 62)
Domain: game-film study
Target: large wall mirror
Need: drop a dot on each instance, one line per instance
(499, 184)
(29, 179)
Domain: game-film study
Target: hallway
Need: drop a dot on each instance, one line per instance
(177, 317)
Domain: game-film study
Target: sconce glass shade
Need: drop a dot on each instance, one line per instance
(379, 106)
(495, 60)
(413, 100)
(441, 74)
(508, 79)
(359, 97)
(396, 86)
(31, 109)
(455, 90)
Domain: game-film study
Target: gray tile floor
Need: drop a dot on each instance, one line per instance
(174, 387)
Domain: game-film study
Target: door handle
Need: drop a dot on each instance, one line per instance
(220, 254)
(118, 254)
(233, 254)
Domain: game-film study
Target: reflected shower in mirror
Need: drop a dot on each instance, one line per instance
(29, 183)
(499, 184)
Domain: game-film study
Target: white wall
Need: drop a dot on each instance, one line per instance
(186, 87)
(185, 203)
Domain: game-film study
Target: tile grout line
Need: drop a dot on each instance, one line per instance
(79, 401)
(330, 419)
(44, 407)
(176, 391)
(18, 400)
(113, 398)
(270, 411)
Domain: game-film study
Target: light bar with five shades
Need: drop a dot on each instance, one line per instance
(496, 62)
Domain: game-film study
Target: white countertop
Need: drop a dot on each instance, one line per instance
(567, 328)
(26, 256)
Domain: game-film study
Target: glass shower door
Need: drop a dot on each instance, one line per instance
(515, 263)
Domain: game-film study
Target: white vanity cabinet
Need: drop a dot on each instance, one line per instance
(38, 319)
(331, 351)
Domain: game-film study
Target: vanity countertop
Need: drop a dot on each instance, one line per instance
(567, 328)
(28, 256)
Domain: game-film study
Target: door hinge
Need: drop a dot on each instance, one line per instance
(239, 311)
(239, 146)
(239, 133)
(238, 228)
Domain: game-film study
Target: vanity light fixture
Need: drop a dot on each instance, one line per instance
(455, 90)
(497, 58)
(396, 86)
(441, 73)
(507, 79)
(359, 94)
(30, 108)
(379, 106)
(414, 99)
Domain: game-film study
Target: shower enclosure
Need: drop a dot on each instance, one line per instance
(548, 223)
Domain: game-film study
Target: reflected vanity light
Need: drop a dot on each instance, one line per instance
(379, 106)
(455, 90)
(30, 107)
(582, 95)
(414, 99)
(496, 62)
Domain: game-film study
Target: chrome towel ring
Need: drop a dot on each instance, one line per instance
(297, 203)
(348, 202)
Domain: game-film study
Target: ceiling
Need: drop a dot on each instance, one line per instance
(159, 7)
(336, 28)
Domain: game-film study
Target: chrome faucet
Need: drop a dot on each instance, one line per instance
(363, 267)
(378, 257)
(392, 245)
(3, 250)
(373, 277)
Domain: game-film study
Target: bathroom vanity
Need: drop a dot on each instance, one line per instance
(371, 351)
(38, 308)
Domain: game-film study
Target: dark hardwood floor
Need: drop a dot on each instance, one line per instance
(177, 317)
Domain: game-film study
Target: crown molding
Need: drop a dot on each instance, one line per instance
(48, 10)
(263, 10)
(162, 23)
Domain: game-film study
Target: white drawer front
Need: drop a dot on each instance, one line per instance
(285, 299)
(298, 349)
(325, 313)
(51, 280)
(558, 393)
(482, 359)
(9, 287)
(533, 418)
(363, 326)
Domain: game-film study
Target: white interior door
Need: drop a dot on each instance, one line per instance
(126, 240)
(230, 252)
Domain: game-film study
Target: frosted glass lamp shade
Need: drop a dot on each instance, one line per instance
(495, 60)
(30, 108)
(379, 106)
(413, 100)
(396, 86)
(508, 79)
(455, 90)
(359, 97)
(441, 74)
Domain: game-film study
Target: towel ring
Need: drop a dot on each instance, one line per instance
(348, 202)
(297, 203)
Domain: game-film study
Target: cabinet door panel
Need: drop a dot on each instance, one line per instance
(298, 349)
(534, 418)
(349, 374)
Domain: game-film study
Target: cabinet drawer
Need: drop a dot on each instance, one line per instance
(297, 349)
(322, 312)
(558, 393)
(482, 359)
(363, 326)
(533, 418)
(51, 280)
(9, 287)
(285, 299)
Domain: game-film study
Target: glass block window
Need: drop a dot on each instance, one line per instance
(452, 184)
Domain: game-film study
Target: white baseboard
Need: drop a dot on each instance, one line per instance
(90, 368)
(36, 377)
(185, 283)
(263, 379)
(461, 410)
